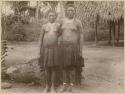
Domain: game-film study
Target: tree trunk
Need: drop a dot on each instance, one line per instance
(113, 34)
(96, 35)
(4, 28)
(37, 11)
(61, 12)
(109, 32)
(118, 31)
(62, 9)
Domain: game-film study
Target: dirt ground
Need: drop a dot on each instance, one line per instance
(103, 70)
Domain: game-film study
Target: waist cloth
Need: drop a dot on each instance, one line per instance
(49, 56)
(70, 55)
(62, 55)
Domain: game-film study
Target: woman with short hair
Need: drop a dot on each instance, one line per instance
(49, 50)
(71, 41)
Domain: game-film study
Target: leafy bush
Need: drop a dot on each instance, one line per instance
(23, 32)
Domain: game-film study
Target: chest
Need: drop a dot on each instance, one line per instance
(71, 26)
(51, 28)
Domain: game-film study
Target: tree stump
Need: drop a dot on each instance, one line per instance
(6, 85)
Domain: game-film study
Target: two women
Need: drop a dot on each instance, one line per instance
(69, 49)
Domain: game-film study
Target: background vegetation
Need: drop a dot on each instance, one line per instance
(99, 19)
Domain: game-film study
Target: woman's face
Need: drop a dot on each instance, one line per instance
(70, 12)
(52, 17)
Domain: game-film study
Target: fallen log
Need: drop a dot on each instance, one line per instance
(27, 72)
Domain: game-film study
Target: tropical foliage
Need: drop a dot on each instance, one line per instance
(91, 13)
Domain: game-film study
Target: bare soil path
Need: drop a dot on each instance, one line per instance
(103, 67)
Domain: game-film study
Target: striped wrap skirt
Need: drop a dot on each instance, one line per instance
(49, 56)
(70, 55)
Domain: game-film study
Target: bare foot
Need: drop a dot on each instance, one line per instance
(46, 90)
(74, 89)
(63, 88)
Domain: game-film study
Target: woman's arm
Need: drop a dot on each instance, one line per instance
(41, 38)
(59, 27)
(80, 28)
(59, 31)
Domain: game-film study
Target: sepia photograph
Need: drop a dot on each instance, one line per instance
(62, 46)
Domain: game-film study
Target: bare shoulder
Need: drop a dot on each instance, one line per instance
(57, 23)
(45, 25)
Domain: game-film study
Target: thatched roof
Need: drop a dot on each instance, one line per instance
(111, 10)
(108, 10)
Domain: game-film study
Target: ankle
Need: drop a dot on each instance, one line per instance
(64, 83)
(71, 84)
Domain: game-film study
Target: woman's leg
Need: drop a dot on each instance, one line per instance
(53, 77)
(48, 79)
(78, 75)
(72, 75)
(66, 73)
(65, 79)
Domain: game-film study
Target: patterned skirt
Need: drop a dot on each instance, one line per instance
(49, 56)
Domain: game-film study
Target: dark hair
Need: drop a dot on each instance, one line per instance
(70, 5)
(52, 11)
